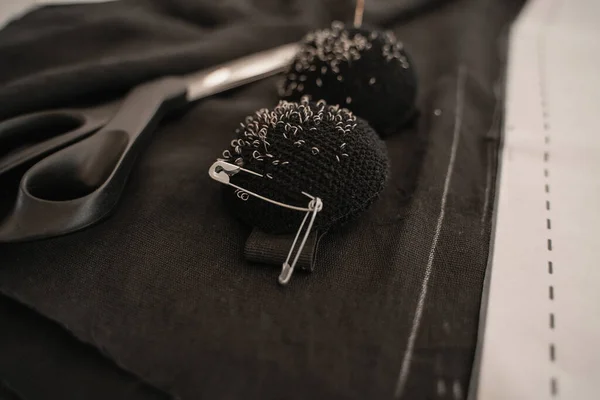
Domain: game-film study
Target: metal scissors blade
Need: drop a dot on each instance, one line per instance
(240, 72)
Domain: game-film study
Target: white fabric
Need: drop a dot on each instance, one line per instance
(542, 327)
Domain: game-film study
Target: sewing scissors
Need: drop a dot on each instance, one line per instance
(77, 161)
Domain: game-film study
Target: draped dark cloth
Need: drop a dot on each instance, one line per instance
(162, 290)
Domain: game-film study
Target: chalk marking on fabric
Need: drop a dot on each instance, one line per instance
(457, 390)
(408, 354)
(441, 388)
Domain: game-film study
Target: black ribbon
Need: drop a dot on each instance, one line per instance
(265, 248)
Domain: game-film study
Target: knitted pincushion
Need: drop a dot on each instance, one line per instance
(321, 150)
(366, 71)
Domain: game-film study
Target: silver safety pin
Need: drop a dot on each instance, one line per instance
(222, 171)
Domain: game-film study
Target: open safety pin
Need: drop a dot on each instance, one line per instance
(222, 171)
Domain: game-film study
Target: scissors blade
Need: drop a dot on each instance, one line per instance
(240, 72)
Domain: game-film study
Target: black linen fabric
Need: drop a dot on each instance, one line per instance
(162, 287)
(40, 360)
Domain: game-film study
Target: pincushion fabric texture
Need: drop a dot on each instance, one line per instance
(366, 70)
(315, 148)
(162, 288)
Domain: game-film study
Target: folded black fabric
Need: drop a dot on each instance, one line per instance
(162, 287)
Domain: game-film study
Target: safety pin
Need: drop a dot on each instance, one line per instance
(222, 171)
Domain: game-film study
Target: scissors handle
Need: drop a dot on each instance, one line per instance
(26, 139)
(81, 184)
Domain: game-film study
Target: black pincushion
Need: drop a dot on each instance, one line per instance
(309, 147)
(367, 71)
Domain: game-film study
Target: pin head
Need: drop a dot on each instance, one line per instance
(316, 148)
(367, 71)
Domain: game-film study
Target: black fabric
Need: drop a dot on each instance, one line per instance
(39, 360)
(162, 287)
(319, 149)
(365, 70)
(7, 393)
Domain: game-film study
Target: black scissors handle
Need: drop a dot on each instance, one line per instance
(81, 183)
(26, 139)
